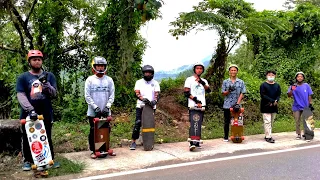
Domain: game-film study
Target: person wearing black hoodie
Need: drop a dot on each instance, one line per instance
(270, 92)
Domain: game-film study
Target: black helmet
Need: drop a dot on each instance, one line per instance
(148, 68)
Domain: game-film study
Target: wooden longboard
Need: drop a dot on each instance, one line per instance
(102, 137)
(237, 125)
(102, 131)
(148, 127)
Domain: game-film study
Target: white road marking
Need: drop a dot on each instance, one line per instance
(104, 176)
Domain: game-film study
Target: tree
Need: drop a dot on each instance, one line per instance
(231, 20)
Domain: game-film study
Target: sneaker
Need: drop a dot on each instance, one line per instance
(270, 140)
(192, 147)
(225, 139)
(26, 166)
(298, 137)
(308, 140)
(93, 155)
(56, 165)
(133, 146)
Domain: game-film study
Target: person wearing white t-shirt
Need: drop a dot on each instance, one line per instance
(195, 89)
(147, 91)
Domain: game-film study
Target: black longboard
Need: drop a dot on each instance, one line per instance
(308, 123)
(148, 127)
(196, 118)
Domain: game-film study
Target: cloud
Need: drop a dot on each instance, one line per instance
(164, 52)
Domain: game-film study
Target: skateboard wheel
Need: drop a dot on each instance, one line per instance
(98, 154)
(34, 167)
(232, 138)
(51, 162)
(111, 153)
(231, 109)
(40, 117)
(242, 110)
(109, 118)
(96, 120)
(189, 139)
(242, 137)
(23, 121)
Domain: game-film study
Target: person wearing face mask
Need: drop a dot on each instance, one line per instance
(301, 93)
(99, 95)
(233, 90)
(195, 89)
(147, 92)
(35, 90)
(270, 92)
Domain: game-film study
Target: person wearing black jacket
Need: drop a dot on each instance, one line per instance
(270, 92)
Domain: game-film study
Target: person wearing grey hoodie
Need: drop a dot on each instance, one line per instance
(99, 95)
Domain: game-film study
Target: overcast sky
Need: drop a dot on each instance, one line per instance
(166, 53)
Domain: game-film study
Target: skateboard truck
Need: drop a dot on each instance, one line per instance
(194, 140)
(198, 109)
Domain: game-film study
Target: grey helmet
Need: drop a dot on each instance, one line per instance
(148, 68)
(101, 61)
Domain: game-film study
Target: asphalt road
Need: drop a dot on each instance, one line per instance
(298, 164)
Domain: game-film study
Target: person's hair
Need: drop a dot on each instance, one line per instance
(271, 71)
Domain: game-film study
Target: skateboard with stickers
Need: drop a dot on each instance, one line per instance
(102, 131)
(148, 127)
(196, 118)
(39, 145)
(237, 124)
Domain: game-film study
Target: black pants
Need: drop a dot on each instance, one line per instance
(27, 157)
(137, 124)
(227, 116)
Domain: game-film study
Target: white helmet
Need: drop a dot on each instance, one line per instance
(304, 76)
(197, 64)
(99, 61)
(233, 65)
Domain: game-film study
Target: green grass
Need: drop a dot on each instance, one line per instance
(67, 167)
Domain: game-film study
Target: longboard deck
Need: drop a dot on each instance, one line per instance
(196, 119)
(237, 126)
(38, 143)
(308, 123)
(148, 127)
(102, 137)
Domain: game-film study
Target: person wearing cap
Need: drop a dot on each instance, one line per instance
(270, 92)
(99, 95)
(301, 93)
(35, 90)
(195, 89)
(147, 92)
(233, 90)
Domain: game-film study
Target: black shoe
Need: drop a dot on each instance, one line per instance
(270, 140)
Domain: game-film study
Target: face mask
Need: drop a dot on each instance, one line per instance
(270, 78)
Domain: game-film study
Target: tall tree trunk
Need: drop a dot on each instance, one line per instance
(217, 68)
